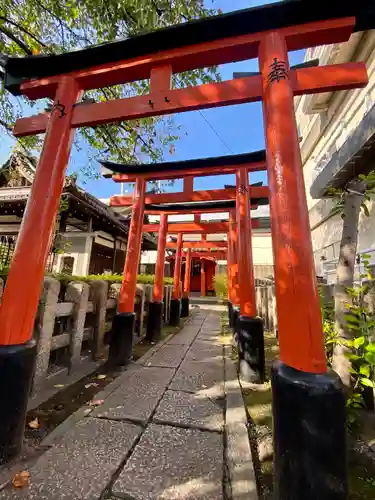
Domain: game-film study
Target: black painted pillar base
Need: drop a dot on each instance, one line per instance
(175, 312)
(309, 421)
(154, 321)
(236, 317)
(185, 307)
(230, 314)
(121, 344)
(235, 320)
(17, 364)
(251, 349)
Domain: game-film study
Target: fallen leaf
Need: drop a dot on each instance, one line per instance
(34, 424)
(96, 402)
(92, 384)
(21, 479)
(101, 377)
(58, 386)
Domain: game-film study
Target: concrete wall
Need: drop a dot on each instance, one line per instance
(325, 121)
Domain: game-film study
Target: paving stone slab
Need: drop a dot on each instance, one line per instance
(138, 398)
(81, 465)
(209, 335)
(190, 410)
(168, 356)
(194, 376)
(171, 463)
(207, 350)
(186, 337)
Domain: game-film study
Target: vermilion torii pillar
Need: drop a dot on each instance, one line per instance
(185, 298)
(155, 312)
(308, 401)
(249, 326)
(203, 278)
(21, 296)
(175, 314)
(232, 268)
(121, 346)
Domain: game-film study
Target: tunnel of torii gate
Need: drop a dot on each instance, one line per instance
(237, 201)
(308, 401)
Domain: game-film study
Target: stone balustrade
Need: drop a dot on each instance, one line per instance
(73, 322)
(266, 306)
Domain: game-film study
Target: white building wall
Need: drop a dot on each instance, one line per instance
(325, 121)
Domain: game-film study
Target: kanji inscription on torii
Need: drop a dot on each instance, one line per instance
(278, 71)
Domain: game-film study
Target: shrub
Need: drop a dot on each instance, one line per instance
(144, 279)
(221, 285)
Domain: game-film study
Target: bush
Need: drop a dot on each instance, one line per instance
(221, 286)
(143, 279)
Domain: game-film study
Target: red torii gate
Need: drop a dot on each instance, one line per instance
(268, 33)
(197, 202)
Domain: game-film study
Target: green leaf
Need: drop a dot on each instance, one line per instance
(370, 358)
(365, 370)
(366, 256)
(358, 342)
(365, 209)
(367, 382)
(353, 357)
(351, 317)
(370, 347)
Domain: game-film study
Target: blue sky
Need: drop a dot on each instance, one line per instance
(239, 129)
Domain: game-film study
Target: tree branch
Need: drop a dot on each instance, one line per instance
(5, 125)
(63, 25)
(122, 126)
(16, 40)
(21, 28)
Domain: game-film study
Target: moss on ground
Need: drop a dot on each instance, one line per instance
(361, 483)
(226, 333)
(259, 407)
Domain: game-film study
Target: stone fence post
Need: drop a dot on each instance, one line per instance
(78, 293)
(43, 329)
(98, 295)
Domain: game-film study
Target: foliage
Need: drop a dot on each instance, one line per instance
(221, 285)
(143, 279)
(341, 193)
(54, 26)
(330, 334)
(361, 347)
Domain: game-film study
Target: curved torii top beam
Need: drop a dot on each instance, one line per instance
(250, 23)
(254, 161)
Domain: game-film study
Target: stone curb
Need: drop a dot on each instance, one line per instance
(238, 453)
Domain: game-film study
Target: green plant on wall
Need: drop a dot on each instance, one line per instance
(360, 348)
(362, 326)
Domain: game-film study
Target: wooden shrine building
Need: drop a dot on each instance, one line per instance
(91, 236)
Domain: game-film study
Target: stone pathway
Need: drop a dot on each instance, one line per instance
(171, 427)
